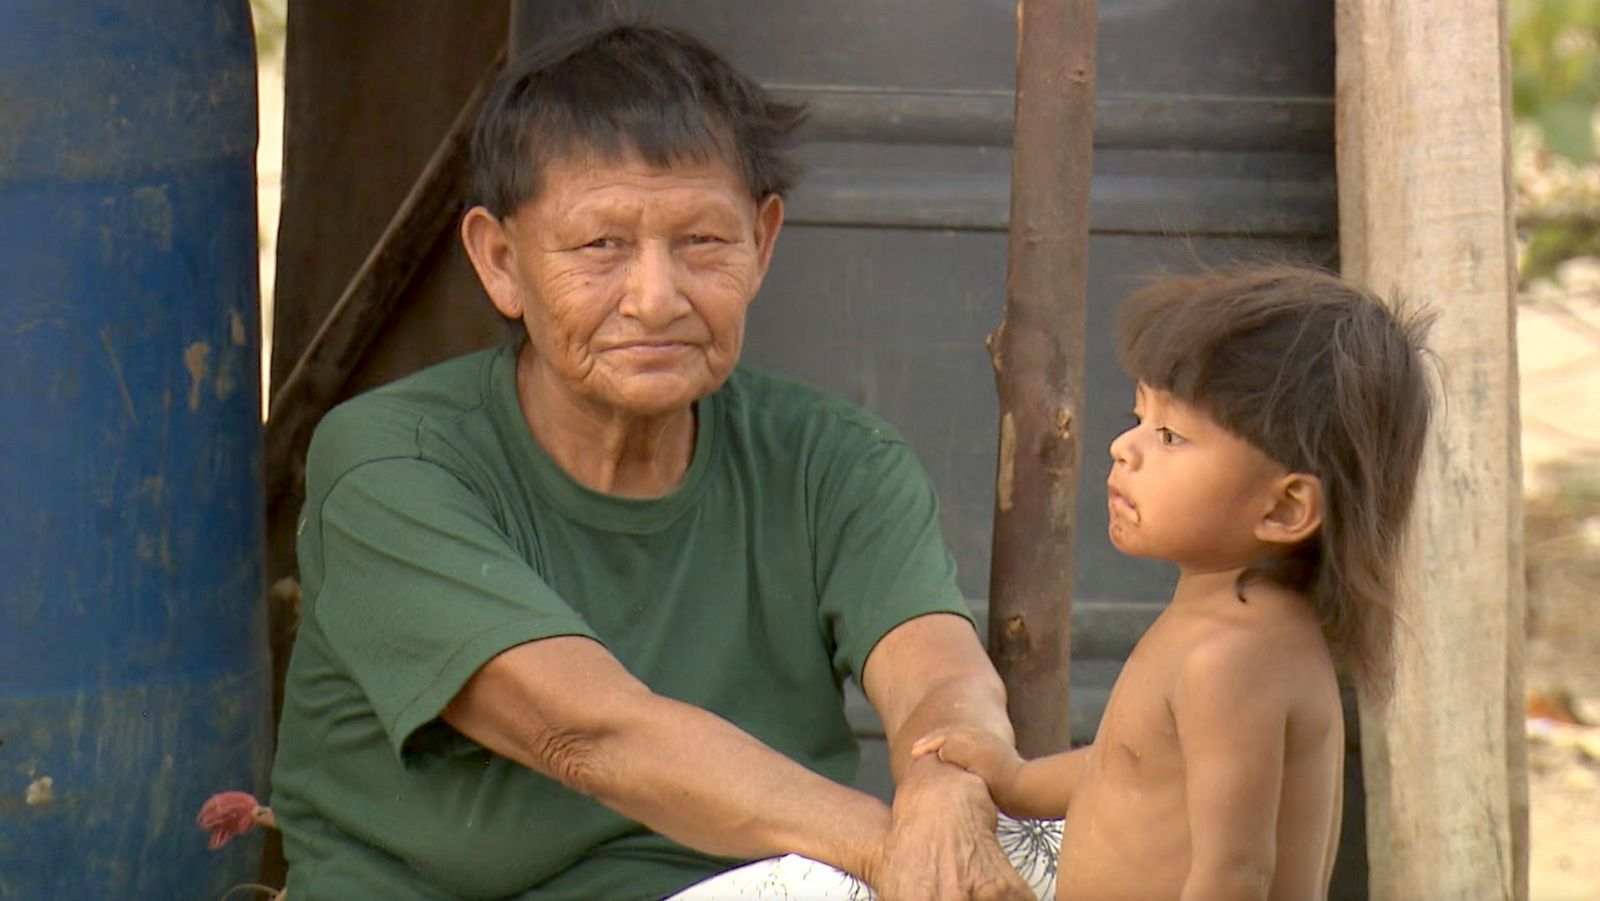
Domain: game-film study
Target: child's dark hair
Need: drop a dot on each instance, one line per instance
(1327, 380)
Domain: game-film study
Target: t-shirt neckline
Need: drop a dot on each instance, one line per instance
(574, 499)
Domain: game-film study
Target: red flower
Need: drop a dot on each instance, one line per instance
(232, 814)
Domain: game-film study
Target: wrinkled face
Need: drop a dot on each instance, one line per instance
(633, 281)
(1185, 489)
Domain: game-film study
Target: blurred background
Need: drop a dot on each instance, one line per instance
(1555, 61)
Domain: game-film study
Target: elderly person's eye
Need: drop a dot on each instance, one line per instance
(602, 244)
(699, 239)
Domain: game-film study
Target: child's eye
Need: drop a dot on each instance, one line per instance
(1134, 418)
(1169, 437)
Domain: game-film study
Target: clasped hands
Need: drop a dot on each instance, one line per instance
(980, 753)
(941, 844)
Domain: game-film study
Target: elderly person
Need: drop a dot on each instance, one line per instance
(579, 608)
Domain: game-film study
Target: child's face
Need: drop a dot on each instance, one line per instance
(1183, 488)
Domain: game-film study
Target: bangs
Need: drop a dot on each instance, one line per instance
(1238, 347)
(1164, 341)
(614, 106)
(628, 90)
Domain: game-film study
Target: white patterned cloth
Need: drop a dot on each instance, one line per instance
(1032, 845)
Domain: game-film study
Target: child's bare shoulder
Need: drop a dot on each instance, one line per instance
(1267, 643)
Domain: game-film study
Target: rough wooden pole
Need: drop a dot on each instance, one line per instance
(1424, 203)
(431, 208)
(1038, 361)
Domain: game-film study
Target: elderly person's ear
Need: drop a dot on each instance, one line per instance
(769, 221)
(495, 260)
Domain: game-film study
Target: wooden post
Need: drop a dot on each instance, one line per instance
(1424, 202)
(430, 208)
(1038, 361)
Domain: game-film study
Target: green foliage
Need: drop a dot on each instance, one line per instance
(1555, 71)
(1555, 93)
(1548, 245)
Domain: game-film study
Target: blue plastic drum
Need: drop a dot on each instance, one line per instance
(133, 665)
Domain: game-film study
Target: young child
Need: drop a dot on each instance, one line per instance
(1278, 425)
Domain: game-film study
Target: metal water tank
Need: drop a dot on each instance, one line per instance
(133, 669)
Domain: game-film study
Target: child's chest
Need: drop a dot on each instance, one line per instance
(1137, 738)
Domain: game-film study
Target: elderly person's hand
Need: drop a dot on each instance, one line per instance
(941, 845)
(931, 674)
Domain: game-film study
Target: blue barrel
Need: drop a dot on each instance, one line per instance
(133, 666)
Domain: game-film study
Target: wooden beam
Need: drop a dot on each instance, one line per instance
(1424, 201)
(1038, 361)
(314, 384)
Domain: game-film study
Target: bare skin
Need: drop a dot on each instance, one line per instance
(632, 282)
(566, 708)
(1217, 771)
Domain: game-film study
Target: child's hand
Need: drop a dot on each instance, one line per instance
(983, 754)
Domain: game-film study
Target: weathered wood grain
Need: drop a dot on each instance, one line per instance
(1038, 353)
(1423, 163)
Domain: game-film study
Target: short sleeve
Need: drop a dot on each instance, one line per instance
(880, 555)
(420, 586)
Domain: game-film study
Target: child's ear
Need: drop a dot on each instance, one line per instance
(1296, 512)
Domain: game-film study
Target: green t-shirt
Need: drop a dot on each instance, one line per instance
(437, 533)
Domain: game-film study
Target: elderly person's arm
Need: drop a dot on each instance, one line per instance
(931, 673)
(566, 708)
(928, 674)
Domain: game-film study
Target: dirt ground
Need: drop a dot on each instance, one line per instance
(1564, 791)
(1558, 336)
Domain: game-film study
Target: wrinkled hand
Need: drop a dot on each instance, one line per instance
(941, 844)
(983, 754)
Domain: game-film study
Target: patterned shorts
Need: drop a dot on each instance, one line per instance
(1032, 845)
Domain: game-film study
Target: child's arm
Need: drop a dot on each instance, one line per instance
(1039, 788)
(1231, 707)
(1043, 786)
